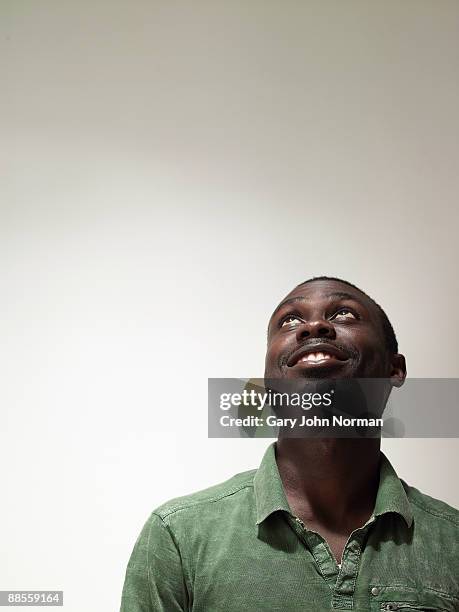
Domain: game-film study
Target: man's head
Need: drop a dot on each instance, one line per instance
(328, 328)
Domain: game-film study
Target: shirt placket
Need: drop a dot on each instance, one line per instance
(340, 580)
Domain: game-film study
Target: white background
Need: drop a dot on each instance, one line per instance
(170, 171)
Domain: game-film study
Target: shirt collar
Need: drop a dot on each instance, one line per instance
(269, 491)
(270, 495)
(391, 496)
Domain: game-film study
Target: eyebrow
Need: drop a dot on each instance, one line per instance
(334, 294)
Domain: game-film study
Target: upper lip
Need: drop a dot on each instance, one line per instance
(316, 347)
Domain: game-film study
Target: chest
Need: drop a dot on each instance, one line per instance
(283, 566)
(336, 542)
(335, 539)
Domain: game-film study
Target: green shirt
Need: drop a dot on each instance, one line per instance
(237, 546)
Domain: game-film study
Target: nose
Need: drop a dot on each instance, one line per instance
(320, 328)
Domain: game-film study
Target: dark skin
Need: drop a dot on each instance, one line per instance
(330, 483)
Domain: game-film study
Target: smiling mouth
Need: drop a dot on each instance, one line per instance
(317, 355)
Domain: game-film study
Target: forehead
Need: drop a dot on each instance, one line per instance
(325, 290)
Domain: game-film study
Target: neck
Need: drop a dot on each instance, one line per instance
(330, 480)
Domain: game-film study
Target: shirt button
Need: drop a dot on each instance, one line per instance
(375, 591)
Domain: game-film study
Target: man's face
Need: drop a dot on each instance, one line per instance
(327, 329)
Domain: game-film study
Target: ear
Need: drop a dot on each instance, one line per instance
(397, 370)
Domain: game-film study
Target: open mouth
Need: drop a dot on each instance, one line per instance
(317, 355)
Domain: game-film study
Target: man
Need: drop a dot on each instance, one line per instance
(323, 524)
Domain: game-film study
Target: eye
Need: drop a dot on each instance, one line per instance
(289, 320)
(344, 313)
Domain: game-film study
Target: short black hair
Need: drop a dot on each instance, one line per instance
(388, 330)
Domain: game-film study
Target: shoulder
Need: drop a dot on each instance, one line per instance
(207, 500)
(433, 510)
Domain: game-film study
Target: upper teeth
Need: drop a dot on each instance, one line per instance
(315, 357)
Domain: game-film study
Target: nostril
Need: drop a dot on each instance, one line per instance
(323, 331)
